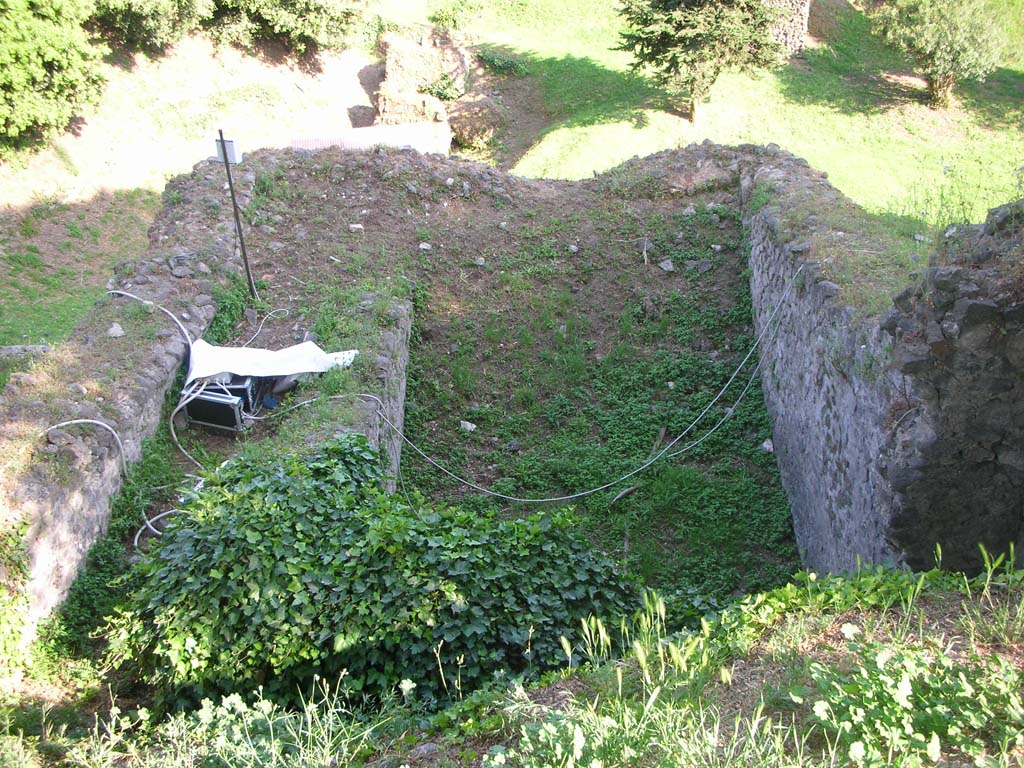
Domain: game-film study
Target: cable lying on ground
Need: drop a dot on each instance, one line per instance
(770, 329)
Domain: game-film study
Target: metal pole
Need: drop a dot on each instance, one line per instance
(238, 220)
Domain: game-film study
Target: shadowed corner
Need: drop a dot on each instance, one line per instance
(370, 78)
(579, 92)
(278, 54)
(998, 102)
(847, 66)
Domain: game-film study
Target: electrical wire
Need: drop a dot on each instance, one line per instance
(177, 322)
(120, 448)
(190, 394)
(661, 454)
(274, 313)
(149, 525)
(768, 328)
(110, 429)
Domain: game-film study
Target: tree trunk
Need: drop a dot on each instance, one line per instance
(940, 90)
(692, 111)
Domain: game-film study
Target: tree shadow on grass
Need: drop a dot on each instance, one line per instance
(998, 102)
(850, 69)
(578, 92)
(278, 53)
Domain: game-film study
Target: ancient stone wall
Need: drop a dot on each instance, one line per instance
(118, 367)
(899, 431)
(895, 429)
(957, 466)
(790, 28)
(821, 374)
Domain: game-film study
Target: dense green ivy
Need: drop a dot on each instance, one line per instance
(294, 566)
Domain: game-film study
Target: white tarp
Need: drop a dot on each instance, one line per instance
(206, 360)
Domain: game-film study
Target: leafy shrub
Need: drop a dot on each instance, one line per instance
(501, 64)
(444, 88)
(455, 14)
(300, 24)
(951, 40)
(907, 706)
(48, 68)
(150, 24)
(300, 565)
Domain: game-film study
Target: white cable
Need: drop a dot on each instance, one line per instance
(661, 454)
(730, 412)
(177, 322)
(149, 525)
(187, 397)
(652, 460)
(110, 429)
(274, 313)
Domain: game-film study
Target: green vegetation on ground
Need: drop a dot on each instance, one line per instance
(847, 105)
(566, 395)
(57, 256)
(870, 669)
(302, 565)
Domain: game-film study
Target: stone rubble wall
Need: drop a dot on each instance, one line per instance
(61, 485)
(830, 407)
(791, 27)
(958, 456)
(900, 432)
(111, 370)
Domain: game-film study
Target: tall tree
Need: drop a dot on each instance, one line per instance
(951, 40)
(687, 44)
(48, 67)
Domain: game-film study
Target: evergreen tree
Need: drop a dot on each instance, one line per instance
(687, 44)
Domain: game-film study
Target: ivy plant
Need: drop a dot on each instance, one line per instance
(908, 706)
(299, 565)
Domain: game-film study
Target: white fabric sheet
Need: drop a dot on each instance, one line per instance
(206, 360)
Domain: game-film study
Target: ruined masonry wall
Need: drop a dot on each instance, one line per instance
(897, 432)
(64, 494)
(893, 432)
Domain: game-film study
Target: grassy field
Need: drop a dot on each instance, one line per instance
(849, 105)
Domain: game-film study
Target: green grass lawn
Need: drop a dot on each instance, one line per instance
(849, 106)
(57, 257)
